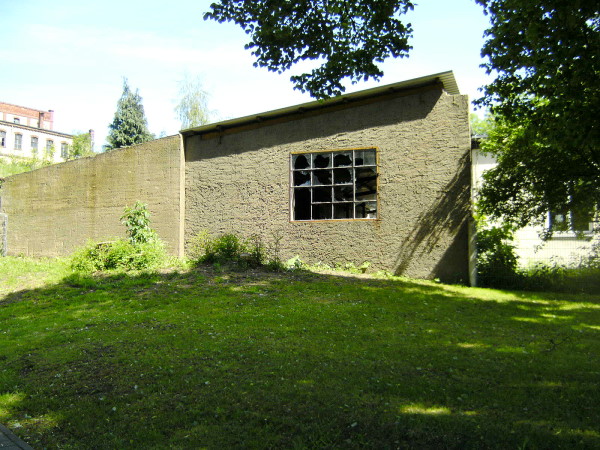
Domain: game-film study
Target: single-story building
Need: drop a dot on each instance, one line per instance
(379, 176)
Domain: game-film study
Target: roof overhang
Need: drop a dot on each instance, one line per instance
(443, 80)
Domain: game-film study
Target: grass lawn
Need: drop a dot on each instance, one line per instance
(210, 359)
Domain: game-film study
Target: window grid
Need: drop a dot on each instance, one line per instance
(18, 141)
(334, 185)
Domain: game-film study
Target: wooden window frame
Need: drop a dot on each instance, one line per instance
(313, 209)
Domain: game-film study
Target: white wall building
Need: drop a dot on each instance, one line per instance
(566, 246)
(27, 132)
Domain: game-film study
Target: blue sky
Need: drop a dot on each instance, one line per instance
(71, 56)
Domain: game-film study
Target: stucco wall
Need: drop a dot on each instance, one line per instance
(240, 183)
(53, 210)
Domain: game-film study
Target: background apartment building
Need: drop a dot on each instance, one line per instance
(27, 132)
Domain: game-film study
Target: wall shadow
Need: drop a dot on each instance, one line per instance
(447, 216)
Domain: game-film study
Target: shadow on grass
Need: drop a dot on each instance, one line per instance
(262, 360)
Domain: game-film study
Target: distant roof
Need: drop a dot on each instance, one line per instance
(445, 79)
(34, 129)
(24, 107)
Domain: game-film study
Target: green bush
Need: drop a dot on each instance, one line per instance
(141, 250)
(229, 249)
(119, 254)
(556, 277)
(137, 221)
(497, 261)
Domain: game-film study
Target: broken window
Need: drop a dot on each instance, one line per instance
(334, 185)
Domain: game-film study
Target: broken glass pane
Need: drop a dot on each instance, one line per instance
(366, 181)
(342, 159)
(343, 193)
(365, 157)
(322, 160)
(301, 204)
(342, 210)
(342, 176)
(366, 210)
(321, 177)
(301, 161)
(322, 194)
(302, 178)
(321, 211)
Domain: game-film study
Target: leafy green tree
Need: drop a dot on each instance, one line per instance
(192, 109)
(481, 126)
(129, 125)
(348, 38)
(81, 147)
(546, 104)
(545, 98)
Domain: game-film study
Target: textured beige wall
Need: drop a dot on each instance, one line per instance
(240, 183)
(53, 210)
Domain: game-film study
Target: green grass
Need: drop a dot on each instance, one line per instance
(212, 359)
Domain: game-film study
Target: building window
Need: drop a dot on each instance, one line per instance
(2, 138)
(332, 185)
(16, 120)
(572, 221)
(64, 150)
(18, 141)
(49, 149)
(34, 144)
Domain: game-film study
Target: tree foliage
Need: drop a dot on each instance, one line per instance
(348, 38)
(546, 104)
(81, 147)
(192, 109)
(129, 125)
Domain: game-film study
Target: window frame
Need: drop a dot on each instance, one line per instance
(64, 150)
(2, 139)
(36, 140)
(18, 141)
(333, 184)
(570, 232)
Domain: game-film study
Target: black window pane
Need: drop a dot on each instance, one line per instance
(342, 176)
(342, 159)
(343, 193)
(301, 161)
(321, 211)
(302, 178)
(366, 184)
(322, 160)
(321, 177)
(343, 210)
(322, 194)
(302, 204)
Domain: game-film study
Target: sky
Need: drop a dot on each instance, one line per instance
(71, 56)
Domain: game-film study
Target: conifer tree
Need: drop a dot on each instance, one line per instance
(129, 126)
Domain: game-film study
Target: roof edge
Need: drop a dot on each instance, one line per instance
(446, 79)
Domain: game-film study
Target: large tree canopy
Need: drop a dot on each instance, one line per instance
(348, 38)
(546, 103)
(544, 99)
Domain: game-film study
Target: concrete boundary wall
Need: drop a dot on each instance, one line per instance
(53, 210)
